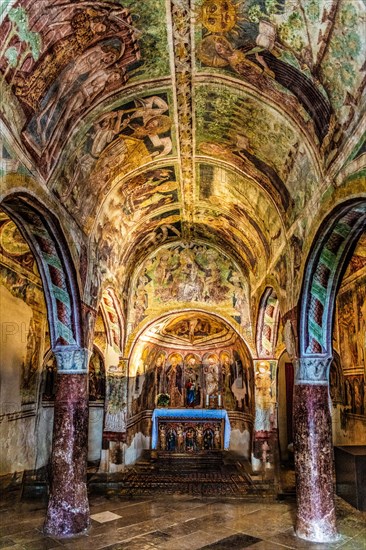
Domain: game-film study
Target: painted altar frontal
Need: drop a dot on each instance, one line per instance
(190, 431)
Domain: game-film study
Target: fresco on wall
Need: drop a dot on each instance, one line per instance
(118, 142)
(194, 273)
(350, 333)
(190, 378)
(194, 329)
(49, 382)
(116, 401)
(265, 411)
(20, 276)
(100, 333)
(97, 380)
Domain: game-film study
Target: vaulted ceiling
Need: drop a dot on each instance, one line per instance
(214, 121)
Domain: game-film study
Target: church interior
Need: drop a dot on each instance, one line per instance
(183, 258)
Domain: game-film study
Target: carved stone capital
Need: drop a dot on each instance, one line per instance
(72, 359)
(312, 370)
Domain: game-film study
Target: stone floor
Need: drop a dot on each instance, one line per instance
(175, 523)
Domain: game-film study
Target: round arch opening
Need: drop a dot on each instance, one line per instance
(191, 378)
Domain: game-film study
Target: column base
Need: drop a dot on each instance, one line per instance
(64, 523)
(317, 531)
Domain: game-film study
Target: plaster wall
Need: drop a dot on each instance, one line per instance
(18, 421)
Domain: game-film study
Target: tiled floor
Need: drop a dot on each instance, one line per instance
(176, 523)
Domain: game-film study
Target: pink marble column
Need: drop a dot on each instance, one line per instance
(68, 508)
(316, 520)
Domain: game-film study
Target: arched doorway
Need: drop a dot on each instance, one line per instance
(43, 234)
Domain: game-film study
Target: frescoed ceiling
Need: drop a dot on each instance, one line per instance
(182, 121)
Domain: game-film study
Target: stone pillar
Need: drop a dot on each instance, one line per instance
(68, 507)
(313, 450)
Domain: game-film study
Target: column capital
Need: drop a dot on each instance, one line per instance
(72, 359)
(313, 370)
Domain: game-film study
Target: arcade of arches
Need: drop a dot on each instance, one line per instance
(183, 240)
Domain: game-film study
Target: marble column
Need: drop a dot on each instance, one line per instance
(68, 508)
(313, 447)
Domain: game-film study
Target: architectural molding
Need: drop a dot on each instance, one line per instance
(312, 370)
(72, 360)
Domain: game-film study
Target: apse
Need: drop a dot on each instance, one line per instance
(195, 368)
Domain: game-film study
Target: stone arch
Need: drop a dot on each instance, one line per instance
(45, 238)
(334, 242)
(267, 325)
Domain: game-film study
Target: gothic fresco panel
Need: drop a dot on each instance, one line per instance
(191, 274)
(190, 378)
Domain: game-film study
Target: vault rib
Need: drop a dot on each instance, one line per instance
(182, 54)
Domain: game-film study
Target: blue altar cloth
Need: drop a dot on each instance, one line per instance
(195, 414)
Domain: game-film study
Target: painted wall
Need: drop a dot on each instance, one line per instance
(348, 370)
(185, 375)
(23, 325)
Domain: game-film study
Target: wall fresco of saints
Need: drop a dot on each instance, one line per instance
(190, 379)
(348, 381)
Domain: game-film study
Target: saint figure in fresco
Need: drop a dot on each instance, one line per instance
(208, 440)
(171, 440)
(212, 376)
(190, 393)
(174, 377)
(229, 398)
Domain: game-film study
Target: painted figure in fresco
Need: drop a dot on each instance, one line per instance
(190, 393)
(208, 438)
(263, 385)
(212, 376)
(199, 437)
(229, 398)
(217, 437)
(190, 440)
(171, 440)
(50, 380)
(162, 437)
(87, 26)
(361, 333)
(180, 439)
(348, 334)
(192, 381)
(174, 376)
(358, 396)
(349, 394)
(188, 281)
(96, 378)
(94, 85)
(154, 122)
(30, 364)
(83, 67)
(159, 374)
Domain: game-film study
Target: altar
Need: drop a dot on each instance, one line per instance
(190, 430)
